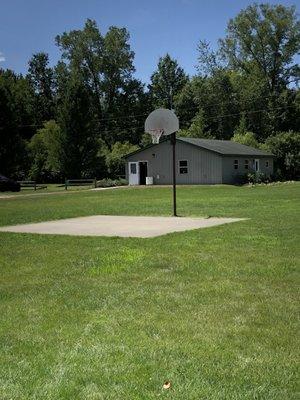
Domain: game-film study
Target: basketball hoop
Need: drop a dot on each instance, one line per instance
(164, 122)
(155, 135)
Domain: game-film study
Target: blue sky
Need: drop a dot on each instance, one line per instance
(156, 27)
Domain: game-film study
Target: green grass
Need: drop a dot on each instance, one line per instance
(215, 310)
(51, 188)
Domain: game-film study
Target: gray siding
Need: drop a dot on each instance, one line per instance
(230, 175)
(204, 167)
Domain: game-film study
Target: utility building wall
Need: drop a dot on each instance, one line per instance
(193, 165)
(237, 166)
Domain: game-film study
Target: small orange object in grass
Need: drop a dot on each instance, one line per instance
(167, 385)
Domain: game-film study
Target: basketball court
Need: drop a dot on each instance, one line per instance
(114, 225)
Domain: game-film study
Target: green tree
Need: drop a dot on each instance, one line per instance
(286, 148)
(198, 127)
(105, 63)
(247, 138)
(261, 43)
(41, 77)
(167, 82)
(14, 112)
(258, 55)
(115, 158)
(243, 136)
(79, 131)
(264, 39)
(47, 153)
(211, 99)
(127, 116)
(38, 154)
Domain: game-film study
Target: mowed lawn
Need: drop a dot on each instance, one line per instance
(215, 311)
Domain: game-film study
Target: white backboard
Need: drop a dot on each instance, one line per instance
(163, 120)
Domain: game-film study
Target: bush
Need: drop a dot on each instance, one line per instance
(258, 177)
(114, 158)
(286, 148)
(111, 182)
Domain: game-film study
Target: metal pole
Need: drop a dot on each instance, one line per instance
(173, 141)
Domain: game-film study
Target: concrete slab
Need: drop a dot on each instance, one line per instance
(114, 225)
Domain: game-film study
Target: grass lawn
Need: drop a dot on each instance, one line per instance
(215, 311)
(51, 188)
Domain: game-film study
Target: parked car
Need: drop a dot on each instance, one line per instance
(8, 185)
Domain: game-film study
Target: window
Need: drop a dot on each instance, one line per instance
(183, 167)
(133, 168)
(246, 164)
(236, 164)
(267, 164)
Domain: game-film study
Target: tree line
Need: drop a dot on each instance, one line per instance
(80, 117)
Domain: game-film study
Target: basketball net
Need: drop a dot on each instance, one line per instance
(155, 135)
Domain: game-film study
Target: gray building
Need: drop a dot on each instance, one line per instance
(198, 161)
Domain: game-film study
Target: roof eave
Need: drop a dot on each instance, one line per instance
(247, 155)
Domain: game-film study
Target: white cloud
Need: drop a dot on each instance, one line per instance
(2, 57)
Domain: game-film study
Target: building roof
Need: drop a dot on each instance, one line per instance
(222, 147)
(225, 147)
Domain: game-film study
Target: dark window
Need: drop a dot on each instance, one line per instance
(133, 168)
(267, 164)
(236, 164)
(246, 164)
(183, 167)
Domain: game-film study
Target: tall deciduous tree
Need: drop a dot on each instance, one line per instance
(205, 104)
(262, 42)
(106, 64)
(114, 158)
(259, 52)
(15, 116)
(47, 153)
(167, 82)
(79, 133)
(286, 148)
(40, 75)
(264, 39)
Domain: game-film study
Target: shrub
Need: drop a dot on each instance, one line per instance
(258, 177)
(111, 182)
(286, 148)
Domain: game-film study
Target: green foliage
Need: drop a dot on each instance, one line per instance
(145, 140)
(41, 78)
(46, 149)
(79, 131)
(264, 39)
(13, 157)
(286, 148)
(241, 129)
(210, 99)
(257, 177)
(258, 53)
(166, 82)
(114, 158)
(105, 65)
(197, 128)
(111, 182)
(38, 152)
(247, 138)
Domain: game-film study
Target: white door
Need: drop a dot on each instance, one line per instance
(134, 173)
(256, 165)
